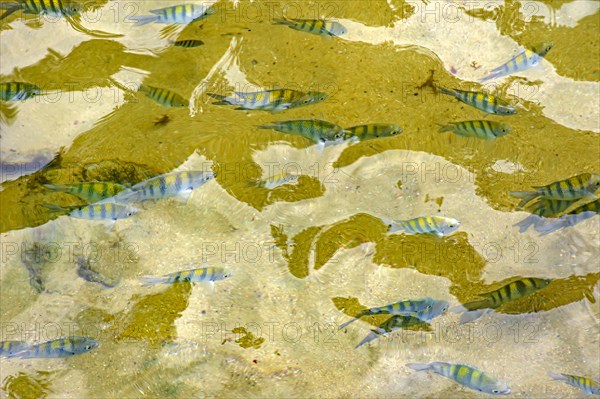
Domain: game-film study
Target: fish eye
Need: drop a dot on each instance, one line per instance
(306, 101)
(495, 391)
(429, 307)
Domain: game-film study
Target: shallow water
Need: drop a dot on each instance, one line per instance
(304, 257)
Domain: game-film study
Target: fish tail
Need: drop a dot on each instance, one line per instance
(526, 196)
(10, 11)
(443, 90)
(556, 376)
(550, 227)
(446, 128)
(346, 324)
(371, 337)
(282, 21)
(54, 187)
(222, 100)
(472, 315)
(495, 73)
(418, 366)
(267, 126)
(54, 208)
(148, 281)
(524, 224)
(143, 19)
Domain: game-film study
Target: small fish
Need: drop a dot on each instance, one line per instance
(204, 274)
(494, 299)
(316, 130)
(168, 185)
(395, 323)
(571, 218)
(164, 97)
(97, 211)
(18, 91)
(526, 59)
(319, 27)
(438, 225)
(62, 347)
(84, 270)
(278, 180)
(179, 14)
(90, 191)
(485, 130)
(374, 131)
(485, 102)
(271, 100)
(541, 209)
(53, 8)
(189, 43)
(405, 307)
(12, 348)
(579, 186)
(465, 375)
(587, 385)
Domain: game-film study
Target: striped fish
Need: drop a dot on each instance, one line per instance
(164, 97)
(587, 385)
(494, 299)
(405, 307)
(526, 59)
(465, 375)
(168, 185)
(270, 100)
(543, 208)
(374, 131)
(90, 191)
(18, 91)
(54, 8)
(313, 129)
(98, 211)
(179, 14)
(579, 186)
(189, 43)
(204, 274)
(319, 27)
(485, 102)
(12, 348)
(484, 130)
(571, 218)
(438, 225)
(394, 323)
(62, 347)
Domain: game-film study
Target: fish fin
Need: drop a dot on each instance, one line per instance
(494, 73)
(320, 148)
(471, 315)
(557, 376)
(143, 19)
(9, 12)
(589, 196)
(54, 187)
(524, 224)
(183, 197)
(217, 96)
(282, 21)
(346, 324)
(526, 196)
(550, 226)
(267, 126)
(371, 337)
(446, 128)
(279, 108)
(55, 208)
(148, 281)
(418, 366)
(459, 309)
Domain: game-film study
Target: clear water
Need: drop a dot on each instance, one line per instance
(303, 256)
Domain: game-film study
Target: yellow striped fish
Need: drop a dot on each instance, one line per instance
(90, 191)
(188, 43)
(526, 59)
(168, 185)
(54, 8)
(319, 27)
(438, 225)
(62, 347)
(485, 130)
(543, 208)
(164, 97)
(405, 307)
(374, 131)
(313, 129)
(276, 100)
(12, 348)
(18, 91)
(485, 102)
(179, 14)
(494, 299)
(394, 323)
(584, 185)
(98, 211)
(587, 385)
(204, 274)
(465, 375)
(571, 218)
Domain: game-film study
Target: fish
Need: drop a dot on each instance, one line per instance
(12, 348)
(62, 347)
(18, 91)
(394, 323)
(526, 59)
(188, 43)
(84, 270)
(176, 184)
(541, 209)
(485, 130)
(571, 218)
(317, 130)
(277, 180)
(164, 97)
(404, 307)
(179, 14)
(587, 385)
(90, 191)
(494, 299)
(204, 274)
(319, 27)
(98, 211)
(374, 130)
(575, 187)
(275, 101)
(484, 102)
(53, 8)
(438, 225)
(465, 375)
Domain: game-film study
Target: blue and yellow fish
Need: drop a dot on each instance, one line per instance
(274, 101)
(405, 307)
(587, 385)
(317, 130)
(204, 274)
(179, 14)
(53, 8)
(62, 347)
(374, 130)
(319, 27)
(438, 225)
(484, 102)
(570, 218)
(164, 97)
(465, 375)
(526, 59)
(98, 211)
(484, 130)
(18, 91)
(90, 191)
